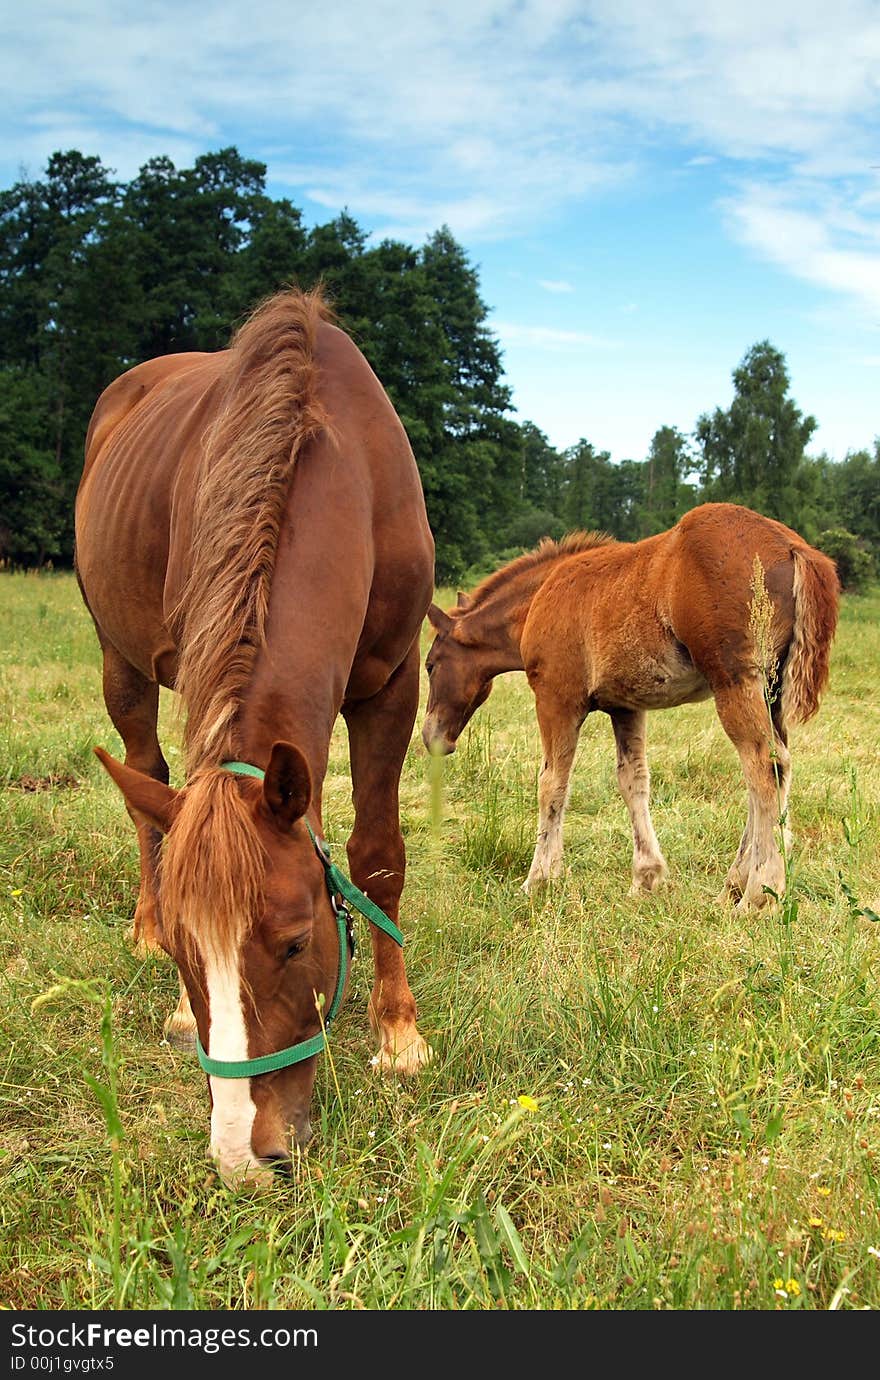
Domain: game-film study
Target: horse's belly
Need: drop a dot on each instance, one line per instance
(642, 680)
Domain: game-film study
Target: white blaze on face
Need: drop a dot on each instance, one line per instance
(233, 1112)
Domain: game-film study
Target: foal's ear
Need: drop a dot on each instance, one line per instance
(287, 788)
(440, 621)
(153, 799)
(463, 601)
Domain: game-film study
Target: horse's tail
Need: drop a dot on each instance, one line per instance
(816, 591)
(269, 410)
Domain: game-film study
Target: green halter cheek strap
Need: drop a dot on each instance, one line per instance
(337, 885)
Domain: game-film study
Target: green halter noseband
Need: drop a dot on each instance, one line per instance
(338, 885)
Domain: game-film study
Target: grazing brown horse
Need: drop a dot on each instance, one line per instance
(251, 531)
(630, 626)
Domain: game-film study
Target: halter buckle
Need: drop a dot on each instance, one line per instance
(341, 912)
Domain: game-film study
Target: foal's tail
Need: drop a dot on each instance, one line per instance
(816, 591)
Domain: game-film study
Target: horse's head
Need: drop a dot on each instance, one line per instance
(246, 915)
(460, 672)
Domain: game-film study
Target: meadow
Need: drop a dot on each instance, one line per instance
(635, 1104)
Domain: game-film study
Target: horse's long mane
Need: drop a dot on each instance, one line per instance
(269, 410)
(213, 866)
(547, 550)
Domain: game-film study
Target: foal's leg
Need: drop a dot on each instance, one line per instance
(738, 875)
(633, 777)
(559, 725)
(379, 731)
(133, 705)
(766, 764)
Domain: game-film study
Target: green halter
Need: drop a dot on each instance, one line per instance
(338, 885)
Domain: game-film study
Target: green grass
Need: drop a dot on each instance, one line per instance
(707, 1087)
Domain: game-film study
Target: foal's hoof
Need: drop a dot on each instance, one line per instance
(753, 901)
(180, 1033)
(648, 880)
(533, 886)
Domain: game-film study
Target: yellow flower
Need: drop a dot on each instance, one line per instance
(777, 1284)
(17, 892)
(814, 1221)
(823, 1191)
(527, 1102)
(829, 1234)
(792, 1287)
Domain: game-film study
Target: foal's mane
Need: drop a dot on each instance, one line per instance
(546, 551)
(268, 410)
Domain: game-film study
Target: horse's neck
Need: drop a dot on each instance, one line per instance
(498, 623)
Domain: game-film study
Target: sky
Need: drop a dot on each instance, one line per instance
(645, 189)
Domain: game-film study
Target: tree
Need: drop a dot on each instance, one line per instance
(856, 488)
(32, 510)
(666, 496)
(753, 453)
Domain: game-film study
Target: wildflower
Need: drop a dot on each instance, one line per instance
(823, 1191)
(830, 1234)
(17, 892)
(527, 1102)
(778, 1284)
(792, 1287)
(814, 1221)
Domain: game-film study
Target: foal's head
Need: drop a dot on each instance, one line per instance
(246, 916)
(460, 671)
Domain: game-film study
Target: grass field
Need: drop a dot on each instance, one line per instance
(700, 1116)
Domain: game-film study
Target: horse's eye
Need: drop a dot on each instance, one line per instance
(430, 668)
(294, 949)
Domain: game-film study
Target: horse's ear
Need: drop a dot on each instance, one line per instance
(463, 601)
(440, 621)
(287, 788)
(154, 800)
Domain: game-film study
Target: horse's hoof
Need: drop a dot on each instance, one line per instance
(148, 948)
(406, 1061)
(179, 1035)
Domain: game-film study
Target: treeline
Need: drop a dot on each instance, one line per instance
(96, 275)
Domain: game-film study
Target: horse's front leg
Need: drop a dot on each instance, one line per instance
(379, 732)
(634, 779)
(559, 723)
(133, 704)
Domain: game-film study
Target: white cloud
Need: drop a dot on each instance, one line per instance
(555, 285)
(827, 244)
(464, 73)
(492, 115)
(547, 337)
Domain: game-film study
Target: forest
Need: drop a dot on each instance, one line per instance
(97, 275)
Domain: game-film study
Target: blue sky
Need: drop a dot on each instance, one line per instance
(646, 189)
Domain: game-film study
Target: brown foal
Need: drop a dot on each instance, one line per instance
(627, 627)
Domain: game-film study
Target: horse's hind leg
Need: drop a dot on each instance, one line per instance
(560, 725)
(633, 777)
(379, 731)
(759, 867)
(738, 874)
(133, 704)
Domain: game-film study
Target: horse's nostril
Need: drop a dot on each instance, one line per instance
(279, 1161)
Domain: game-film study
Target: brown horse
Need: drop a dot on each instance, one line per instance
(251, 531)
(627, 627)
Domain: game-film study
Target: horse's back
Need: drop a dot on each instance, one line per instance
(157, 434)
